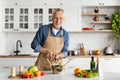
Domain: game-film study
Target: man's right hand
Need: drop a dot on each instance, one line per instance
(49, 53)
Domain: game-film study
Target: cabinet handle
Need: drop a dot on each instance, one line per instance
(16, 4)
(6, 67)
(61, 3)
(102, 3)
(26, 67)
(107, 59)
(45, 3)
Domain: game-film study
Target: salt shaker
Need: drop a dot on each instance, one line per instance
(13, 72)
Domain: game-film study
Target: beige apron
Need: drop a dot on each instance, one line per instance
(55, 44)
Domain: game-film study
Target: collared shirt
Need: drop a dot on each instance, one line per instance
(42, 34)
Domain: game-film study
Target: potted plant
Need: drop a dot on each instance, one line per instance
(116, 25)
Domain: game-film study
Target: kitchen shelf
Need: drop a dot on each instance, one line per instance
(92, 14)
(97, 31)
(101, 22)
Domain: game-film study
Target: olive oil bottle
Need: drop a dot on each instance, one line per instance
(92, 64)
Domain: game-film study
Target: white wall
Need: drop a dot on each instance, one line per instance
(91, 41)
(2, 35)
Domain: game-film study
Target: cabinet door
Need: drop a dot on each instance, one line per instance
(7, 2)
(48, 13)
(83, 63)
(100, 2)
(37, 17)
(9, 18)
(72, 18)
(110, 64)
(51, 2)
(16, 18)
(110, 2)
(8, 62)
(23, 18)
(89, 3)
(68, 2)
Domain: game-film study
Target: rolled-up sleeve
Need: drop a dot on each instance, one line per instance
(66, 44)
(36, 41)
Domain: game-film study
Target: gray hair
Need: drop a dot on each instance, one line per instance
(57, 10)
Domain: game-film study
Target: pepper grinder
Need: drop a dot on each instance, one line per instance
(21, 70)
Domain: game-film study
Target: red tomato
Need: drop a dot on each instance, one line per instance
(23, 76)
(42, 74)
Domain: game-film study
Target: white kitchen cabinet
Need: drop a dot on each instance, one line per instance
(110, 2)
(101, 2)
(72, 17)
(68, 2)
(88, 3)
(39, 14)
(19, 2)
(110, 64)
(107, 64)
(83, 63)
(9, 62)
(16, 16)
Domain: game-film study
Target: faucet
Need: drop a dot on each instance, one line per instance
(17, 51)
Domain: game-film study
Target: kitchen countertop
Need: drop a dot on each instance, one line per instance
(66, 74)
(81, 56)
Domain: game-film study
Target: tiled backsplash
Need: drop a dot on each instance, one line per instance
(90, 40)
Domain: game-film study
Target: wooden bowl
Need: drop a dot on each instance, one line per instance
(96, 52)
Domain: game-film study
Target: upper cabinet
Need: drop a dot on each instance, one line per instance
(88, 3)
(68, 2)
(101, 2)
(72, 17)
(20, 16)
(110, 2)
(16, 16)
(29, 15)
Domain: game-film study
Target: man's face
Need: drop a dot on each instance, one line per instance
(58, 19)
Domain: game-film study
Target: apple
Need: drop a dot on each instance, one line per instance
(33, 69)
(37, 73)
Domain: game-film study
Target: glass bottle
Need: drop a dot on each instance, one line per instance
(97, 66)
(92, 64)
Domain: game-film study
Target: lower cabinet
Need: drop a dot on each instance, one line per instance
(110, 64)
(16, 62)
(83, 63)
(107, 64)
